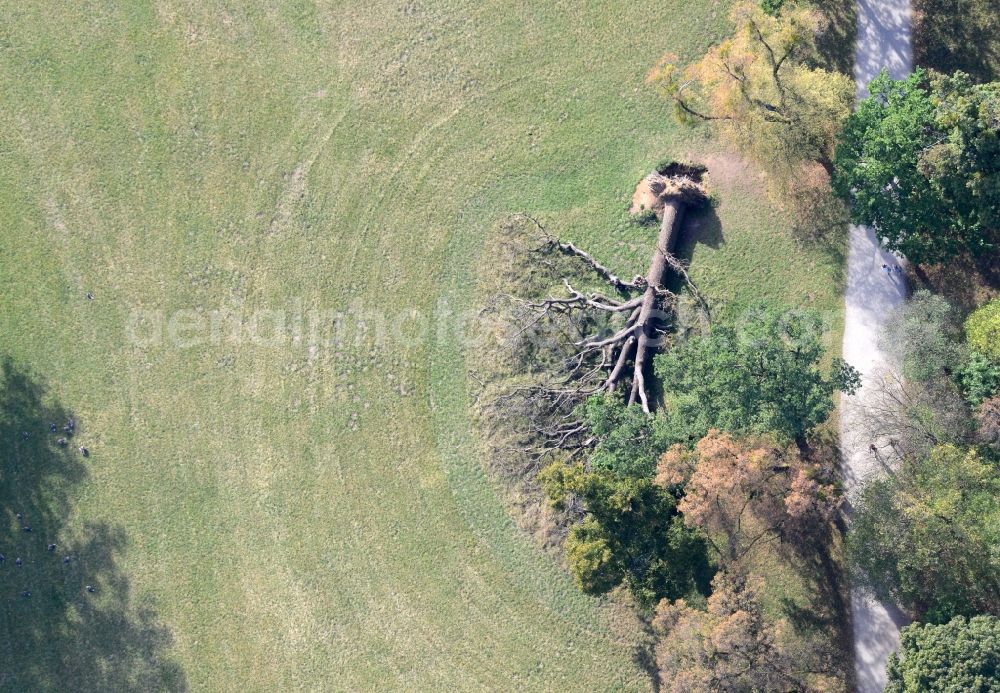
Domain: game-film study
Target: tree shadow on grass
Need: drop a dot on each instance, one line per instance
(644, 657)
(56, 634)
(832, 245)
(836, 45)
(966, 282)
(702, 226)
(827, 609)
(954, 35)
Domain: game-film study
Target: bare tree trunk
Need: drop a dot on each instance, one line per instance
(613, 348)
(670, 228)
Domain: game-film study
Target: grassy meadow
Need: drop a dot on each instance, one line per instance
(285, 512)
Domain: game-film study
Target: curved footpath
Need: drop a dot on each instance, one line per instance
(883, 41)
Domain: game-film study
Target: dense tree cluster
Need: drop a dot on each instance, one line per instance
(982, 329)
(631, 534)
(757, 373)
(941, 395)
(742, 492)
(988, 429)
(925, 336)
(961, 655)
(666, 500)
(920, 161)
(731, 646)
(927, 536)
(980, 375)
(629, 441)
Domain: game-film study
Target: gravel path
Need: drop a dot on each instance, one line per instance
(883, 41)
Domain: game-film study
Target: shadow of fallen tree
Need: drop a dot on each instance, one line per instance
(701, 226)
(67, 617)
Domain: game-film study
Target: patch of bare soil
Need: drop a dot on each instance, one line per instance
(727, 170)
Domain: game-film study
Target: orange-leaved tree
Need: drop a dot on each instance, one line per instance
(744, 492)
(733, 645)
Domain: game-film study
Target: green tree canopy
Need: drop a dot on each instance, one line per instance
(920, 161)
(926, 336)
(979, 378)
(629, 440)
(632, 534)
(961, 655)
(982, 329)
(756, 374)
(928, 537)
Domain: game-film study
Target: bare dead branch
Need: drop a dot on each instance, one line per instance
(617, 336)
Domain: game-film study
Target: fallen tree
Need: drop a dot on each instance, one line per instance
(604, 341)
